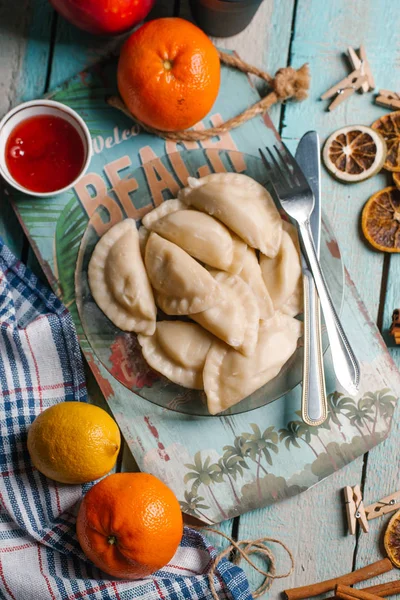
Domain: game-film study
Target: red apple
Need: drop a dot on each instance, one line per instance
(103, 17)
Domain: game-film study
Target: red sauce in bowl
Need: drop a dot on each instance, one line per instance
(44, 153)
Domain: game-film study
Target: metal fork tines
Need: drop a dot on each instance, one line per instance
(296, 198)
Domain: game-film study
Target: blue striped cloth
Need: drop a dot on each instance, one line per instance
(40, 558)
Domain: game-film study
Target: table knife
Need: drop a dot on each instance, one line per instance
(314, 404)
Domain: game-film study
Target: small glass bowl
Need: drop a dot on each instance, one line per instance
(32, 109)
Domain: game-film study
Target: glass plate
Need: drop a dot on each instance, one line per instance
(120, 352)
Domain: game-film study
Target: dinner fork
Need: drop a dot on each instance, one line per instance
(296, 198)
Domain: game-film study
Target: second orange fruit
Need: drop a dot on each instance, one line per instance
(130, 525)
(169, 74)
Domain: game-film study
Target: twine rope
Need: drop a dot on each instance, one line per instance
(288, 83)
(244, 549)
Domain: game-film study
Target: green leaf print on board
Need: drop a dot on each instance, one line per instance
(69, 231)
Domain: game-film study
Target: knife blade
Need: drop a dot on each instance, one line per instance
(314, 407)
(308, 157)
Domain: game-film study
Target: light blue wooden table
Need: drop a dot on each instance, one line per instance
(38, 50)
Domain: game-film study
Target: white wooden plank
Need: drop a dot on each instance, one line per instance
(308, 521)
(382, 479)
(374, 24)
(315, 524)
(24, 50)
(322, 32)
(12, 51)
(31, 80)
(12, 46)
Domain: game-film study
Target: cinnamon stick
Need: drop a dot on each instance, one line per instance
(391, 588)
(343, 596)
(308, 591)
(344, 592)
(385, 589)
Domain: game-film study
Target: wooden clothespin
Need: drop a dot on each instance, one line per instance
(356, 511)
(360, 79)
(365, 66)
(344, 89)
(388, 99)
(355, 508)
(384, 506)
(355, 61)
(395, 328)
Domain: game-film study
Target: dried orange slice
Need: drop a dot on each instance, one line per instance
(396, 179)
(381, 220)
(392, 539)
(389, 128)
(354, 153)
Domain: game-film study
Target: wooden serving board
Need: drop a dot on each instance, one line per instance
(218, 467)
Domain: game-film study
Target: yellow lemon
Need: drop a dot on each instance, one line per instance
(74, 442)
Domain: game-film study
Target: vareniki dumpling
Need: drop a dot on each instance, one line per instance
(118, 280)
(202, 236)
(239, 253)
(165, 208)
(244, 205)
(251, 274)
(178, 351)
(235, 319)
(282, 274)
(182, 285)
(229, 376)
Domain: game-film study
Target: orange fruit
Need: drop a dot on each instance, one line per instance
(169, 74)
(389, 128)
(391, 539)
(396, 180)
(354, 153)
(130, 525)
(381, 220)
(74, 442)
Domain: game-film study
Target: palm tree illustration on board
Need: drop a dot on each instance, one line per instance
(338, 404)
(193, 504)
(387, 405)
(380, 402)
(237, 451)
(306, 433)
(204, 473)
(359, 416)
(290, 434)
(231, 468)
(295, 432)
(366, 416)
(259, 444)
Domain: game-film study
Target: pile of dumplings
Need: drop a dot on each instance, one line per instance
(223, 263)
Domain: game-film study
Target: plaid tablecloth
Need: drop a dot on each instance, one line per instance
(40, 558)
